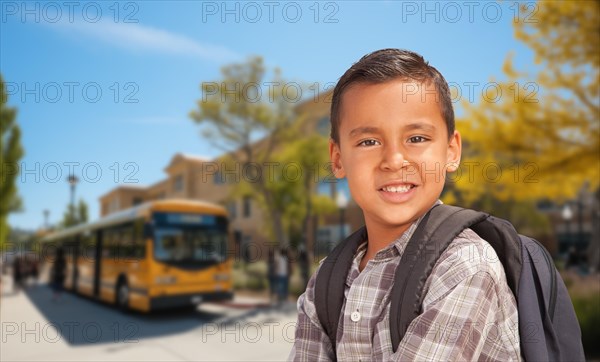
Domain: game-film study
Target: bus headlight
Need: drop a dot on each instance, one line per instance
(165, 280)
(221, 277)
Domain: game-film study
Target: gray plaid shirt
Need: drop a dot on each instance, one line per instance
(469, 312)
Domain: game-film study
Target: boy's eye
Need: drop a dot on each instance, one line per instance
(369, 142)
(417, 139)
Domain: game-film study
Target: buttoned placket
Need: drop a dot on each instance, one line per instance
(356, 320)
(352, 311)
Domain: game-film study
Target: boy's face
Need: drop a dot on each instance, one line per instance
(395, 151)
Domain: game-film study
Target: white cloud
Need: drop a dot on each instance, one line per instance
(136, 37)
(157, 120)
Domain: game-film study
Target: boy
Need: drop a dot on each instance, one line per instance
(393, 138)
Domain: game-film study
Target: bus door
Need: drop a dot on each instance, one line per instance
(75, 262)
(97, 263)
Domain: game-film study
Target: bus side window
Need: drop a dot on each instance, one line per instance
(108, 244)
(88, 247)
(127, 241)
(69, 246)
(139, 241)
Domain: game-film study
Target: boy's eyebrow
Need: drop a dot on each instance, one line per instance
(362, 130)
(409, 127)
(419, 126)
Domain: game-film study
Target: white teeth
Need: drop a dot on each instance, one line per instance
(401, 189)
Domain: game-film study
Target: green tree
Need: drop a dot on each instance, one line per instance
(75, 214)
(306, 156)
(250, 117)
(11, 152)
(544, 133)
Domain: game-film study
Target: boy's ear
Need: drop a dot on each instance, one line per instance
(454, 152)
(336, 159)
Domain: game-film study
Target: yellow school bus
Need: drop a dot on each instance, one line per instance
(160, 254)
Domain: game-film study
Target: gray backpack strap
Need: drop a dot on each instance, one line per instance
(331, 281)
(435, 232)
(505, 240)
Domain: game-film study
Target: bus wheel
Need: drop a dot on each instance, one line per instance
(123, 295)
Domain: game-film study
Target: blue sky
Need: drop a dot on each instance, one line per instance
(109, 85)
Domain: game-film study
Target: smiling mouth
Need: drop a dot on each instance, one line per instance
(398, 189)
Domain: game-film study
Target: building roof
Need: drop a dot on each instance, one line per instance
(194, 157)
(125, 187)
(183, 157)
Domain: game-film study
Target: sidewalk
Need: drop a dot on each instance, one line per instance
(33, 328)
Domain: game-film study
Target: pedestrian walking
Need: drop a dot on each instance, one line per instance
(282, 274)
(58, 274)
(35, 271)
(304, 265)
(273, 282)
(17, 274)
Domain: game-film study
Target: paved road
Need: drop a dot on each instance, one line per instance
(33, 328)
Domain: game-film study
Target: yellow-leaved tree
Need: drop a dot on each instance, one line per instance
(541, 140)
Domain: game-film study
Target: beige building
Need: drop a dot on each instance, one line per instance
(193, 177)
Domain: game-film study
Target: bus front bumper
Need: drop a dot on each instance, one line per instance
(184, 300)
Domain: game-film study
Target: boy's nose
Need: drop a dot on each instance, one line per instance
(393, 160)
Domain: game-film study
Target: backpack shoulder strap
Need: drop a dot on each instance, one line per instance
(435, 232)
(331, 281)
(507, 243)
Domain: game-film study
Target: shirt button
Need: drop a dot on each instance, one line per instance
(355, 316)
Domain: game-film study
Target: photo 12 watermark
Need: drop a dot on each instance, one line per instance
(494, 92)
(248, 332)
(70, 332)
(74, 92)
(266, 92)
(69, 11)
(467, 11)
(53, 172)
(270, 12)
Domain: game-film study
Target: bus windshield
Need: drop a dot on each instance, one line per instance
(189, 238)
(189, 245)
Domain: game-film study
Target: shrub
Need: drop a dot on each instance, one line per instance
(587, 308)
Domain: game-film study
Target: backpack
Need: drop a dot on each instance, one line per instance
(548, 326)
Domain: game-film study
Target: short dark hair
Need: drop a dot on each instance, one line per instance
(386, 65)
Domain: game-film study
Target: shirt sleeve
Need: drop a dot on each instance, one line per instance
(311, 343)
(464, 314)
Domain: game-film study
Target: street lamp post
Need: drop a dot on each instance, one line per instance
(46, 215)
(580, 220)
(567, 215)
(72, 179)
(342, 202)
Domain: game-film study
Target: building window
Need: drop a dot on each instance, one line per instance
(325, 188)
(328, 188)
(247, 201)
(232, 208)
(137, 200)
(249, 253)
(324, 126)
(545, 205)
(178, 184)
(218, 178)
(114, 204)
